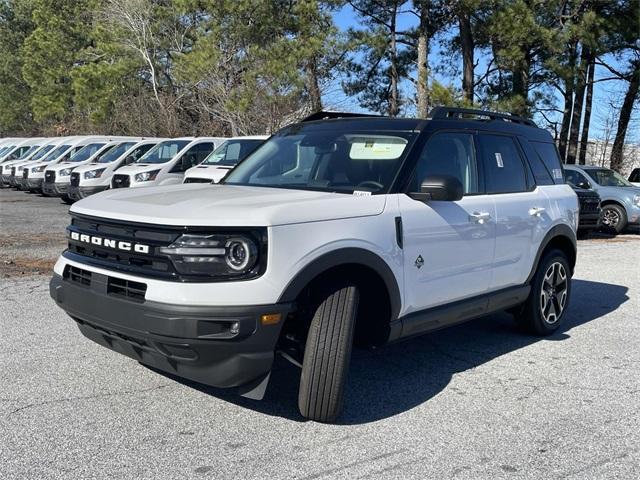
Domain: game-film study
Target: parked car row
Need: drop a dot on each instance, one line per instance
(73, 168)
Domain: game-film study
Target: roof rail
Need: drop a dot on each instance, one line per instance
(325, 115)
(455, 113)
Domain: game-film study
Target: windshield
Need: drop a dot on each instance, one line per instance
(56, 153)
(29, 151)
(115, 153)
(42, 152)
(232, 151)
(608, 178)
(163, 152)
(86, 152)
(17, 153)
(333, 161)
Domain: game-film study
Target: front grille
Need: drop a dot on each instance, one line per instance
(13, 171)
(25, 173)
(126, 288)
(75, 179)
(49, 176)
(197, 180)
(589, 204)
(121, 181)
(77, 275)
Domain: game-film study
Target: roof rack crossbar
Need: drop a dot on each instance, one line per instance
(453, 112)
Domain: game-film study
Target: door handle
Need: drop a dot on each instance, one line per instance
(536, 211)
(479, 217)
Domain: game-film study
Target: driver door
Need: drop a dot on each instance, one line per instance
(448, 245)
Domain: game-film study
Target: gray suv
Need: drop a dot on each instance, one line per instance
(620, 199)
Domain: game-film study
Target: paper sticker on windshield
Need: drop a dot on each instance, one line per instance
(557, 173)
(377, 148)
(361, 193)
(499, 160)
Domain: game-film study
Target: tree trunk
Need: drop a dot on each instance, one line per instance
(625, 115)
(520, 86)
(584, 141)
(574, 131)
(394, 106)
(467, 47)
(568, 104)
(422, 87)
(313, 88)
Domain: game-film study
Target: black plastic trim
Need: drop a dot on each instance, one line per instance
(345, 256)
(561, 230)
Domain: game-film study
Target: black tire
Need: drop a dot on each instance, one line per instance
(327, 354)
(614, 218)
(583, 233)
(538, 315)
(67, 199)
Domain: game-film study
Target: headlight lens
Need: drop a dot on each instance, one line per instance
(223, 255)
(38, 169)
(65, 172)
(146, 176)
(94, 173)
(636, 200)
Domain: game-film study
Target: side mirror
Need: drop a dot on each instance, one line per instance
(585, 185)
(439, 187)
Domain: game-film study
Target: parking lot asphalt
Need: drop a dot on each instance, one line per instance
(480, 400)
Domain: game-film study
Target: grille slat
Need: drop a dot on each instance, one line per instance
(197, 180)
(77, 275)
(126, 288)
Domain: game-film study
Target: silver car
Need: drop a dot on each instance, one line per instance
(620, 199)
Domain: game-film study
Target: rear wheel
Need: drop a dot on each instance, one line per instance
(328, 353)
(550, 291)
(614, 218)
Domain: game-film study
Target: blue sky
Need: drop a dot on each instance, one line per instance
(605, 92)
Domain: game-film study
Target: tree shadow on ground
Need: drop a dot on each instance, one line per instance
(400, 376)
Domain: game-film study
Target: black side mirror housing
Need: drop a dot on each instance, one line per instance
(584, 185)
(439, 187)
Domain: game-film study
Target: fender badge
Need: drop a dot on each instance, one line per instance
(419, 261)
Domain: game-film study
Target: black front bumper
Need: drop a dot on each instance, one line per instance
(589, 221)
(193, 342)
(55, 189)
(78, 193)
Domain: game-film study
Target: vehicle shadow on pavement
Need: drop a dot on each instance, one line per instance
(398, 377)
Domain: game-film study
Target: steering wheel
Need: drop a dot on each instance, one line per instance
(371, 184)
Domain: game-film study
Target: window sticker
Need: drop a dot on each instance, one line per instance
(361, 193)
(499, 160)
(557, 173)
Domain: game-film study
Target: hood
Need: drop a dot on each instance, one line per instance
(86, 167)
(140, 167)
(212, 172)
(226, 205)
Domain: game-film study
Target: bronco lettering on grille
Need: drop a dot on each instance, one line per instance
(110, 243)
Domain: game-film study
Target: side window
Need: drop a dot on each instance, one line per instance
(503, 166)
(448, 153)
(548, 153)
(635, 175)
(538, 168)
(575, 178)
(193, 157)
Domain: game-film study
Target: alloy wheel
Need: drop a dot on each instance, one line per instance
(553, 294)
(610, 217)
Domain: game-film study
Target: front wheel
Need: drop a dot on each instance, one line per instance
(550, 291)
(327, 354)
(614, 218)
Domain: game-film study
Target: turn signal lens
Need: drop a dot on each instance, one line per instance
(270, 318)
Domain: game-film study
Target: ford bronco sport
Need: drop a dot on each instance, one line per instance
(338, 230)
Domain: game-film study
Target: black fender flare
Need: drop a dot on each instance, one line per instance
(560, 230)
(345, 256)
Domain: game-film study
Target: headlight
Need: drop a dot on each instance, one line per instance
(146, 176)
(94, 173)
(38, 169)
(636, 200)
(65, 172)
(221, 255)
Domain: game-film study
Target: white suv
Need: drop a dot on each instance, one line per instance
(334, 232)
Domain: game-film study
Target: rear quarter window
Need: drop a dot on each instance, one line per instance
(548, 153)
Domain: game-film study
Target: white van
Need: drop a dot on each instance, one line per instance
(61, 153)
(14, 152)
(223, 159)
(57, 177)
(166, 163)
(96, 175)
(21, 179)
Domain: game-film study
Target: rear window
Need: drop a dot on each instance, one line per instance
(548, 153)
(503, 166)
